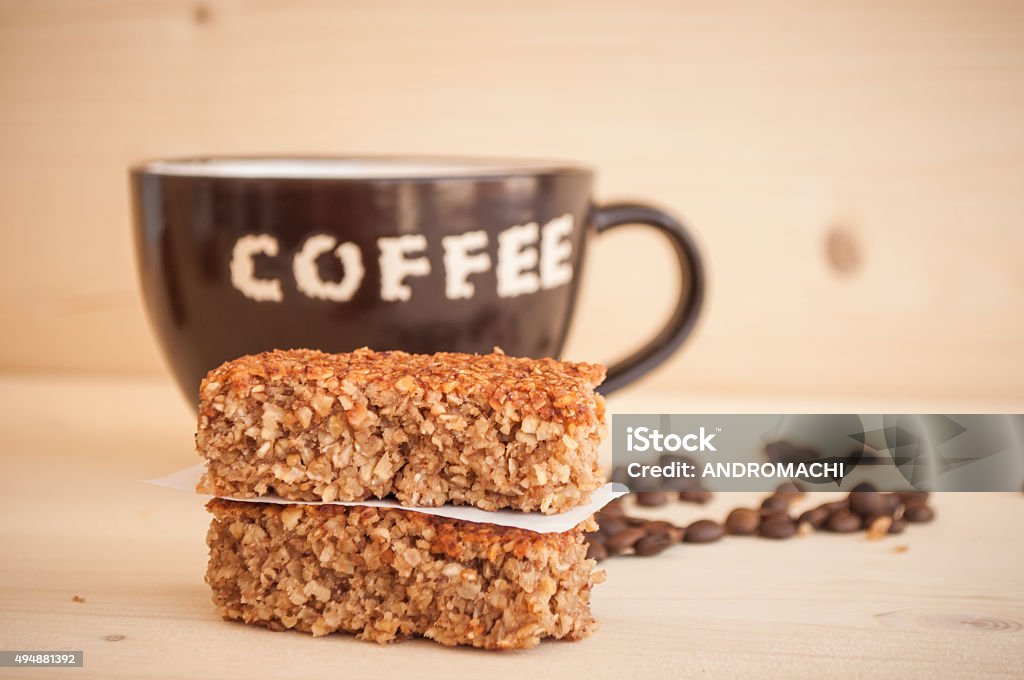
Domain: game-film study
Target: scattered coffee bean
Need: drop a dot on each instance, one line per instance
(843, 504)
(612, 525)
(597, 551)
(897, 526)
(777, 527)
(623, 540)
(913, 497)
(816, 517)
(864, 507)
(843, 522)
(652, 544)
(868, 503)
(743, 522)
(613, 509)
(918, 513)
(789, 489)
(775, 504)
(700, 497)
(651, 499)
(704, 531)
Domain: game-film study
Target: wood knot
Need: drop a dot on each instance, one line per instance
(842, 251)
(956, 621)
(201, 14)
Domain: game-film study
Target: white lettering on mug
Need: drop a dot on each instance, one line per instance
(516, 259)
(243, 270)
(394, 267)
(307, 277)
(555, 251)
(459, 263)
(530, 258)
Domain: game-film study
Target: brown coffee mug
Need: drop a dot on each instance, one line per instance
(242, 255)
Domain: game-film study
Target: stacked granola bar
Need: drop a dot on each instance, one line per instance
(493, 431)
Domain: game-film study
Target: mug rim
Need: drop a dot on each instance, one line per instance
(384, 167)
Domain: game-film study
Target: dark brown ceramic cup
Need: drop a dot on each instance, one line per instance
(242, 255)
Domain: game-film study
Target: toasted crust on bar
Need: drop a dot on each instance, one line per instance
(492, 431)
(387, 574)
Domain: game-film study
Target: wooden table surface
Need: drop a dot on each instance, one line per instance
(75, 521)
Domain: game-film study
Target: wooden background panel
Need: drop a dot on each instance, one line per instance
(892, 133)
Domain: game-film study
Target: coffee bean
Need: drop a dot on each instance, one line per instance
(918, 513)
(700, 497)
(652, 544)
(743, 522)
(613, 509)
(777, 527)
(635, 521)
(775, 504)
(651, 499)
(816, 517)
(843, 504)
(913, 497)
(843, 522)
(623, 540)
(897, 526)
(595, 536)
(661, 526)
(868, 503)
(863, 486)
(704, 531)
(789, 489)
(893, 503)
(612, 525)
(597, 551)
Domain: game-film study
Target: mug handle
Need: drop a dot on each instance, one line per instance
(684, 317)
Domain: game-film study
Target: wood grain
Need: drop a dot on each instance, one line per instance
(75, 520)
(772, 126)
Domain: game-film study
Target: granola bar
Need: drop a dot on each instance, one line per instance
(492, 431)
(387, 574)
